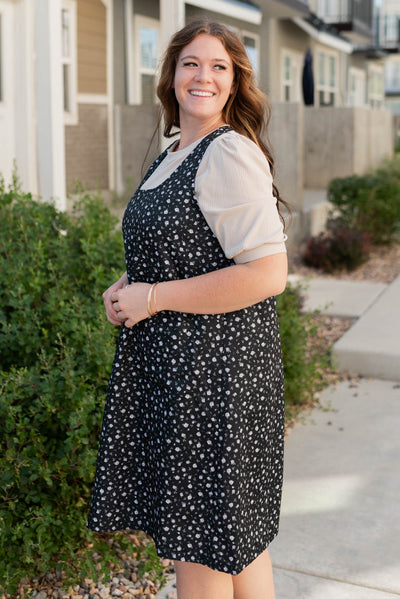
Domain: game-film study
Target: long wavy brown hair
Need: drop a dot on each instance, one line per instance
(247, 111)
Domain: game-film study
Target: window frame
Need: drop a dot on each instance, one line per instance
(326, 87)
(290, 84)
(359, 75)
(242, 33)
(250, 34)
(376, 98)
(392, 76)
(71, 62)
(140, 21)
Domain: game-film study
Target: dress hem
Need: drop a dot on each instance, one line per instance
(182, 556)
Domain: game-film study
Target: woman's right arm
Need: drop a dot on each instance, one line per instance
(108, 304)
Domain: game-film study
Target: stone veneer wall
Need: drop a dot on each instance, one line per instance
(86, 148)
(134, 127)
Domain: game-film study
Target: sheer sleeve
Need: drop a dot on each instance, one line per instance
(234, 190)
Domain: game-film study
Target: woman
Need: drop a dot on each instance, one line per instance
(192, 439)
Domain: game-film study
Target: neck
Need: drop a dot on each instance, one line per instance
(190, 134)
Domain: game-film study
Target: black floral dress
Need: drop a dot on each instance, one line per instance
(191, 448)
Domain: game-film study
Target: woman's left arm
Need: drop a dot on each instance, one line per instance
(225, 290)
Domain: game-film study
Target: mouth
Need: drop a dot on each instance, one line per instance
(200, 93)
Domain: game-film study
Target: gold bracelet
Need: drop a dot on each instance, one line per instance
(150, 312)
(155, 311)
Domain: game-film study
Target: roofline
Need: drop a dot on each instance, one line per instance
(323, 37)
(233, 8)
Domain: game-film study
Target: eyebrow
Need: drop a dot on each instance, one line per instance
(196, 58)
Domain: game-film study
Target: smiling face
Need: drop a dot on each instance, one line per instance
(203, 82)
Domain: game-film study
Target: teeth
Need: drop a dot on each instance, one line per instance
(199, 93)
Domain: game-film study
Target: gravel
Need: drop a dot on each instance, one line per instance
(129, 581)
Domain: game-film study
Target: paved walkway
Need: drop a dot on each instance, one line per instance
(340, 521)
(340, 525)
(371, 347)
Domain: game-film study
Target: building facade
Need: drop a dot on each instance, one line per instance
(388, 38)
(78, 79)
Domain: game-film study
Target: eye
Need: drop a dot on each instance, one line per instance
(189, 64)
(220, 67)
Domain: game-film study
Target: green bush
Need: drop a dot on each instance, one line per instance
(305, 357)
(56, 350)
(369, 203)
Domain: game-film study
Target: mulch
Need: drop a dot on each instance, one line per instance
(382, 266)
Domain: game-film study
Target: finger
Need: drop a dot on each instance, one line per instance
(113, 320)
(115, 323)
(116, 307)
(129, 323)
(114, 296)
(121, 316)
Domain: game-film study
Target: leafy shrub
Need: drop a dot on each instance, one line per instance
(305, 359)
(56, 350)
(340, 248)
(369, 203)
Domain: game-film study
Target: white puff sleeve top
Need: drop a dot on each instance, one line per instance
(234, 190)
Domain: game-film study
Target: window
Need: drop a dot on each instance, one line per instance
(357, 87)
(391, 28)
(68, 59)
(291, 77)
(251, 43)
(147, 35)
(327, 79)
(375, 87)
(392, 76)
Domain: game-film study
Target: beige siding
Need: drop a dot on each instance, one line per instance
(92, 47)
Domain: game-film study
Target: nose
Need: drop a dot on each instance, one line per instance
(202, 74)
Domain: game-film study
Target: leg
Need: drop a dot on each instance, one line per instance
(195, 581)
(256, 580)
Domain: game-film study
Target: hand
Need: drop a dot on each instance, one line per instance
(130, 303)
(112, 316)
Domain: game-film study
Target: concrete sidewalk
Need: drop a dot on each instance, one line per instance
(339, 532)
(371, 347)
(340, 523)
(335, 297)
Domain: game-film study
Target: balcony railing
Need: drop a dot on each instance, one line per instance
(346, 11)
(389, 29)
